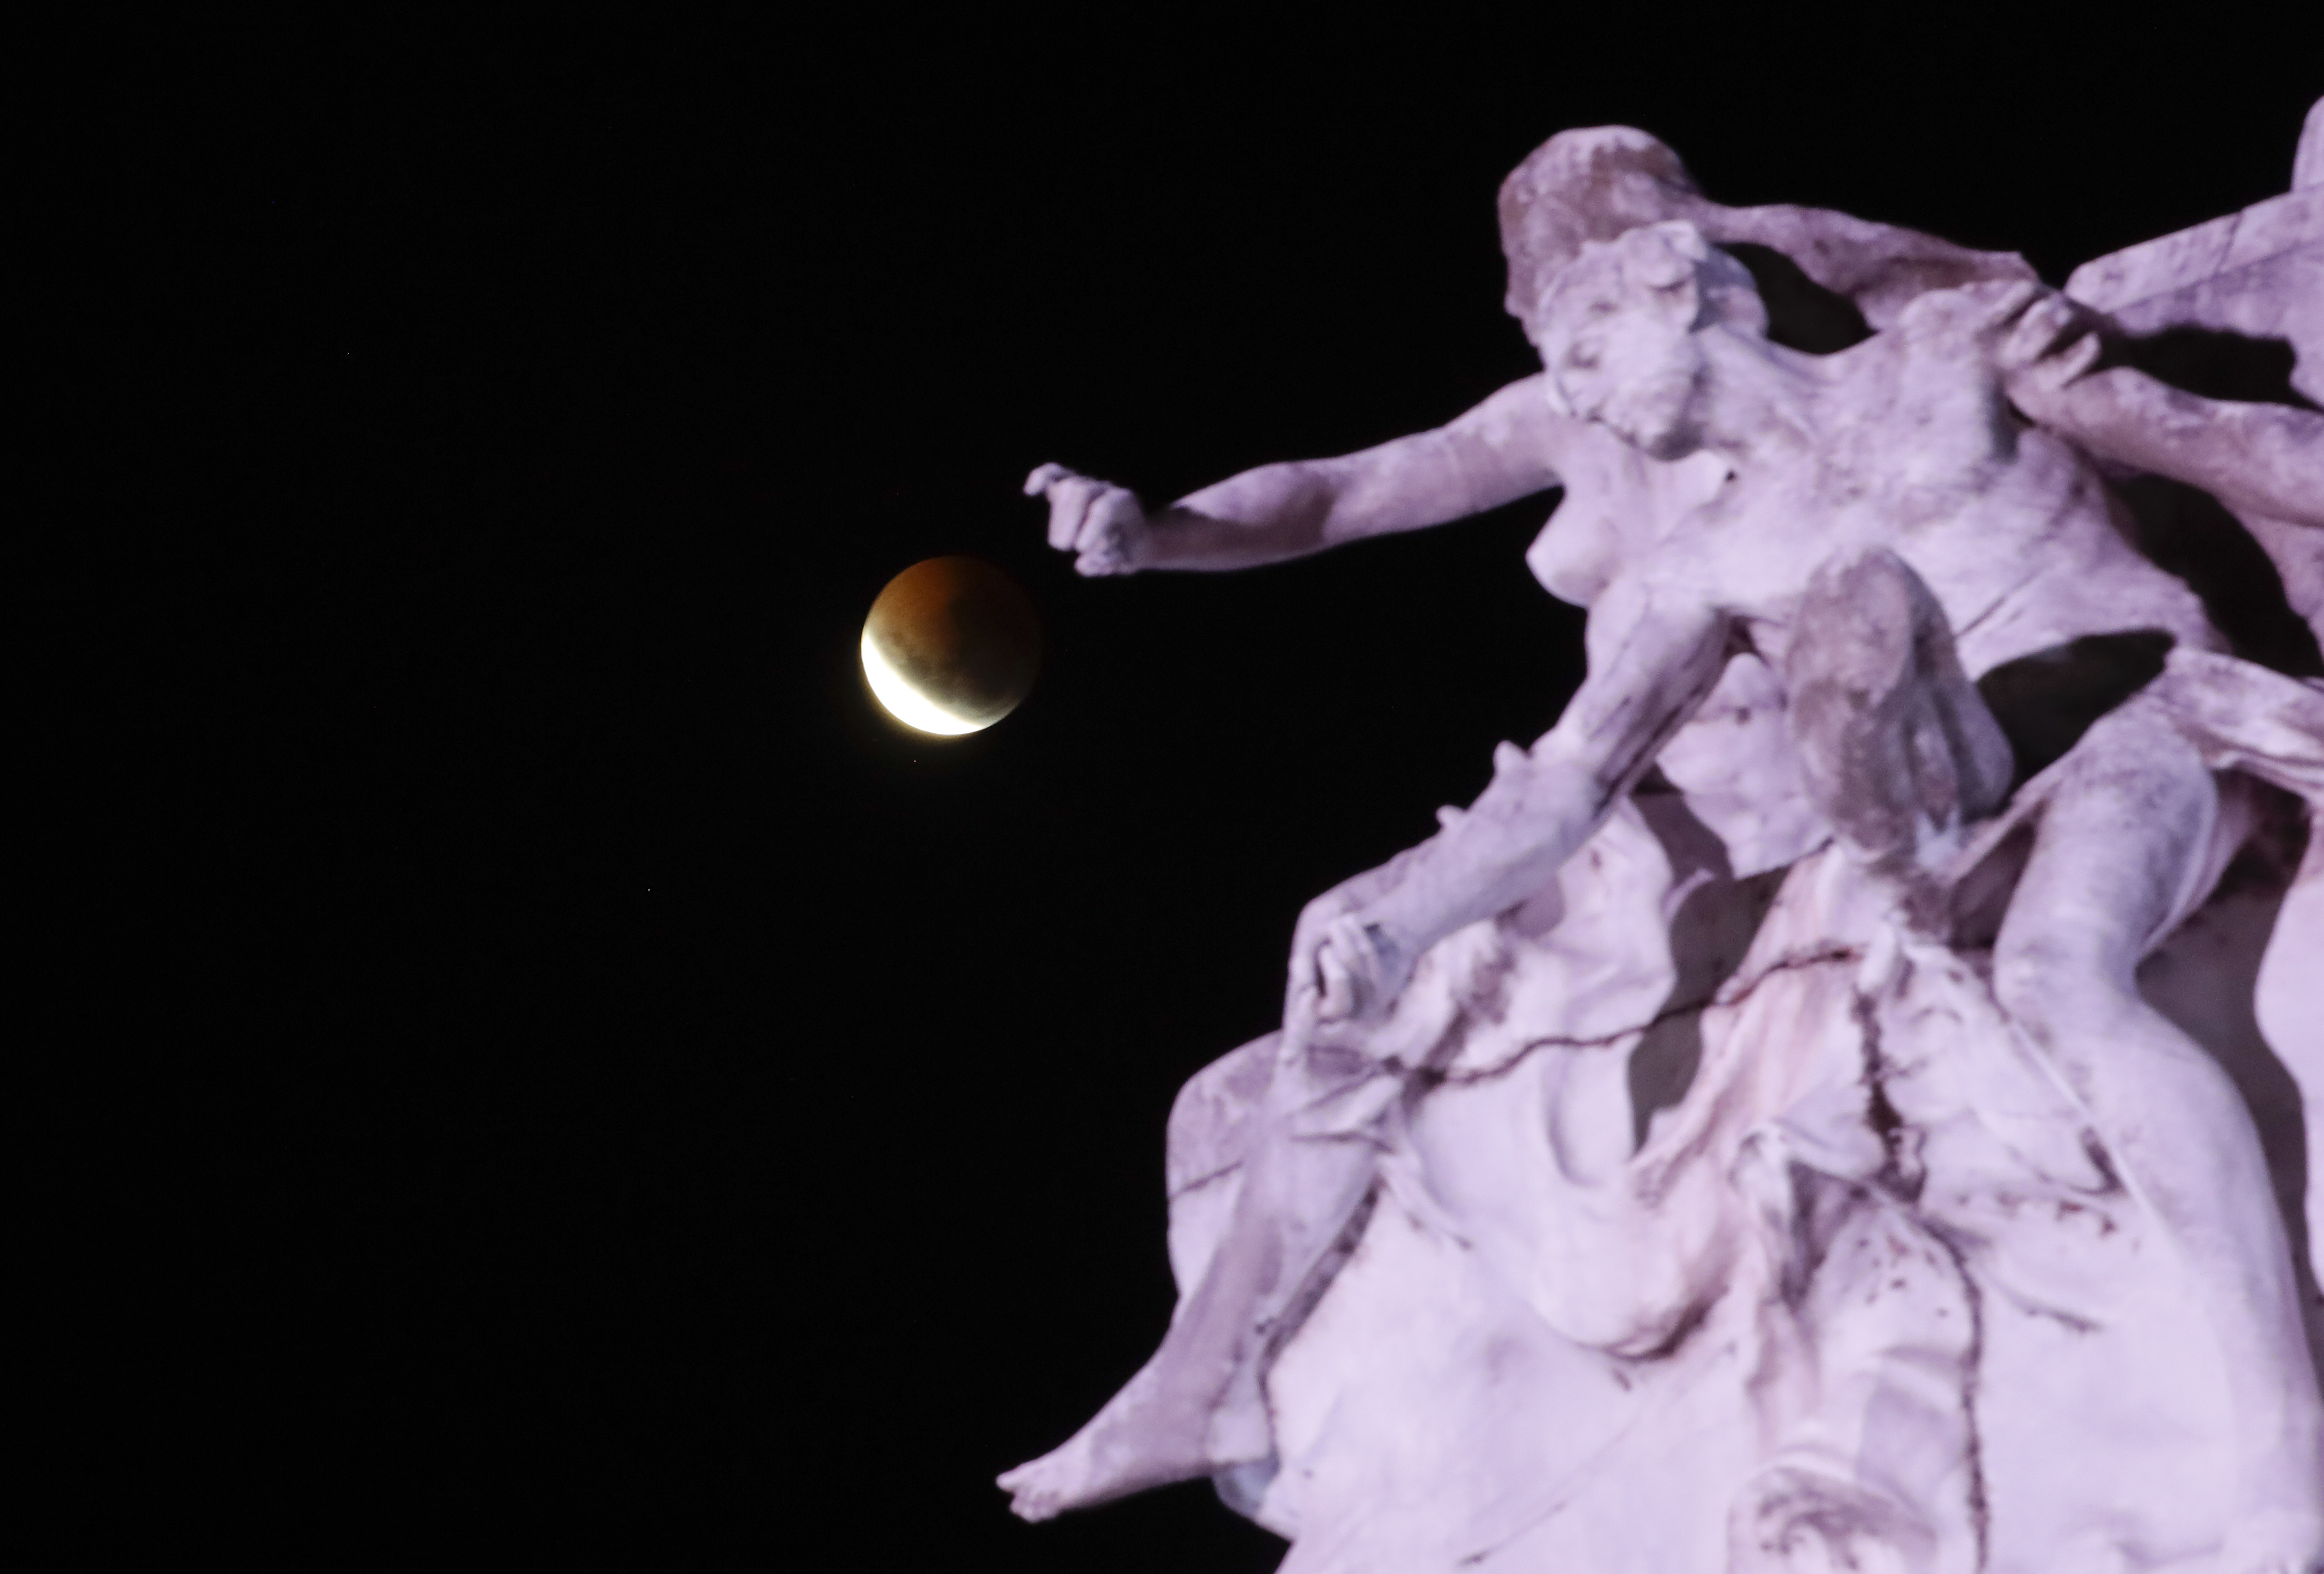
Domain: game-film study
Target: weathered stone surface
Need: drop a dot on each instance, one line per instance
(2258, 274)
(1852, 1095)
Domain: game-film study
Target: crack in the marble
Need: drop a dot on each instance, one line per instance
(1732, 993)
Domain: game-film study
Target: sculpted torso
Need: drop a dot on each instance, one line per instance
(2025, 555)
(2017, 543)
(1906, 441)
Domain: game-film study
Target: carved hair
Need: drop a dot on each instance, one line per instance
(1673, 261)
(1592, 184)
(1595, 184)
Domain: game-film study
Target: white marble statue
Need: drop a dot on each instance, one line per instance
(1959, 1247)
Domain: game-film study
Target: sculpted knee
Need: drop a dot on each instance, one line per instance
(1848, 675)
(1894, 739)
(1856, 625)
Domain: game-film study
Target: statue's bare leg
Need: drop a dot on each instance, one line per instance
(2117, 844)
(1898, 746)
(1198, 1406)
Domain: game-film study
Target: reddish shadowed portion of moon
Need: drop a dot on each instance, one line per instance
(952, 645)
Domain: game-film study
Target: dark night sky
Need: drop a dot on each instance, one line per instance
(634, 1096)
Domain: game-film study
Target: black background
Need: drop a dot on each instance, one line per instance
(625, 1096)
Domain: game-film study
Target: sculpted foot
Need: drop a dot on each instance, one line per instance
(1145, 1437)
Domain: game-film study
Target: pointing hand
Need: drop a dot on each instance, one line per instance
(1103, 524)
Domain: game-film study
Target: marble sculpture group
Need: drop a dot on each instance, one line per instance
(1851, 1095)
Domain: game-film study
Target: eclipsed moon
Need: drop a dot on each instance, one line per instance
(951, 646)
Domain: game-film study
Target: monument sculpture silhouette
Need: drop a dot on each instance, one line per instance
(1851, 1095)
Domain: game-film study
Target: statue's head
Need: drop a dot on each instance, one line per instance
(1618, 328)
(1580, 186)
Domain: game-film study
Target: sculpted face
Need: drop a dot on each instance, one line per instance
(1619, 331)
(1621, 351)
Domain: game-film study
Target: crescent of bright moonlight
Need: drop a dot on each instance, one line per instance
(951, 646)
(908, 704)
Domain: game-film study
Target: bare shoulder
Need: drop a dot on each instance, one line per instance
(1516, 422)
(1509, 446)
(1519, 407)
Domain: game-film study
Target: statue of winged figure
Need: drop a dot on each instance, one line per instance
(1965, 833)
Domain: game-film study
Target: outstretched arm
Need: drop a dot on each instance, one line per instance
(1656, 652)
(1499, 451)
(2266, 460)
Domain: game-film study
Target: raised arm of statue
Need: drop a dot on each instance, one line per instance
(1499, 451)
(2257, 459)
(1881, 267)
(1655, 651)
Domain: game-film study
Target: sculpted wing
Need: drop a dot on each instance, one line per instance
(2258, 274)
